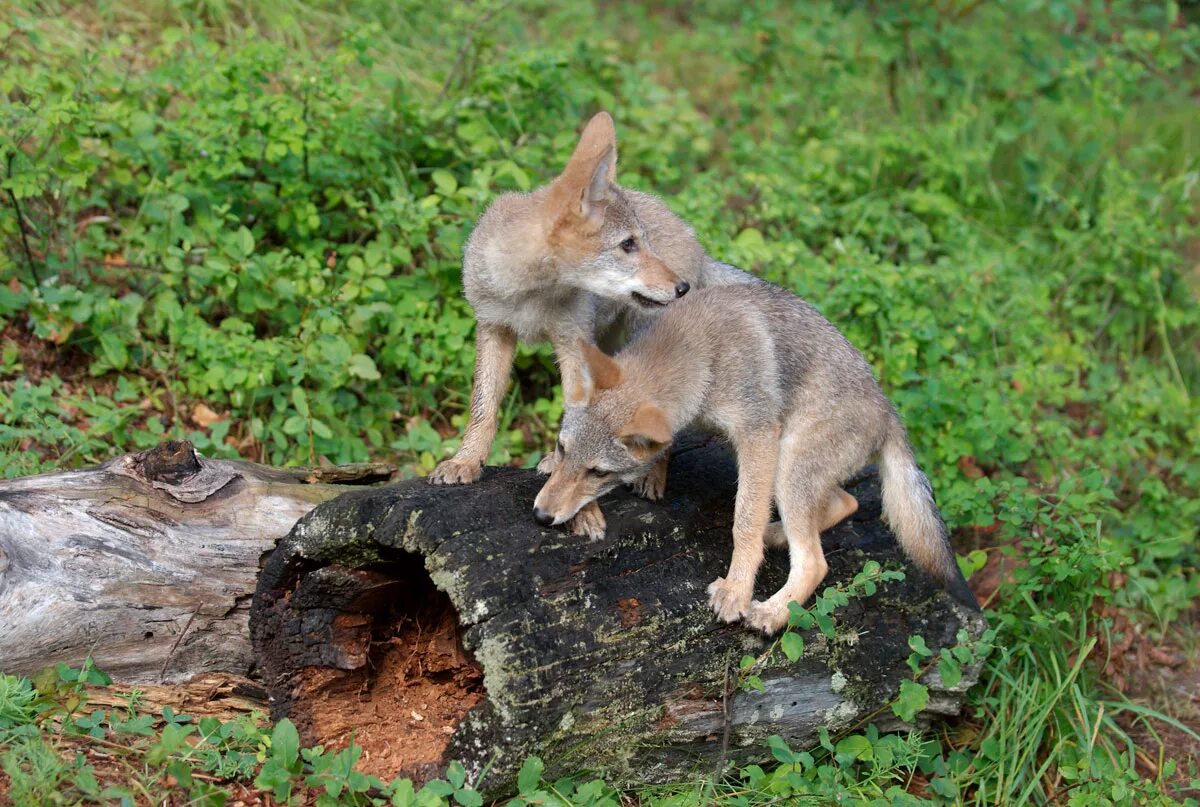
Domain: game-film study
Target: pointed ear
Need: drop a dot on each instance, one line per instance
(597, 190)
(598, 372)
(605, 372)
(584, 184)
(647, 431)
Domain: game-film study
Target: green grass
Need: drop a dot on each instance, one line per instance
(261, 207)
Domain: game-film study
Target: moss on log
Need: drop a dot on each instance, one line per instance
(597, 656)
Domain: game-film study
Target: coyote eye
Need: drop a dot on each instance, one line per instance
(558, 449)
(629, 245)
(598, 474)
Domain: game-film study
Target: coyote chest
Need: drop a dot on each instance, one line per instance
(535, 316)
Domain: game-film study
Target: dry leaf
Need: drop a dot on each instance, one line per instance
(204, 417)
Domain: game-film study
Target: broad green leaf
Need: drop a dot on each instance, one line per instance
(403, 794)
(300, 400)
(950, 671)
(114, 350)
(856, 746)
(793, 645)
(530, 775)
(780, 750)
(245, 241)
(912, 699)
(445, 181)
(285, 742)
(363, 366)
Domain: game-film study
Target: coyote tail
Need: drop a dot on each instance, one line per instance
(913, 516)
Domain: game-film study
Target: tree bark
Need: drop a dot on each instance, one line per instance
(596, 656)
(146, 562)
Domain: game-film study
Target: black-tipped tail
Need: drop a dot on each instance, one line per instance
(911, 512)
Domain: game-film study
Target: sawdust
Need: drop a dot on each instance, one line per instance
(402, 706)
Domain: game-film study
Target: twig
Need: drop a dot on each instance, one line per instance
(171, 654)
(726, 724)
(21, 227)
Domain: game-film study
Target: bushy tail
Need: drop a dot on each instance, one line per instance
(912, 515)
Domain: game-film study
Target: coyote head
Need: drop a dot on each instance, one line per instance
(609, 435)
(593, 232)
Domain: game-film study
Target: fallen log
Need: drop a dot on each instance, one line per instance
(146, 562)
(434, 623)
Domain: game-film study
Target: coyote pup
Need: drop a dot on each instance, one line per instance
(799, 404)
(580, 259)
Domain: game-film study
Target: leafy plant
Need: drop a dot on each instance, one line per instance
(241, 224)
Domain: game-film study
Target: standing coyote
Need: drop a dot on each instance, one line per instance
(580, 259)
(799, 404)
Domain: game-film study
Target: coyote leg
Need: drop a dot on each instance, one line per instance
(494, 349)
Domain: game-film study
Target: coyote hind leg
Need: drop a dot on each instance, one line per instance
(840, 507)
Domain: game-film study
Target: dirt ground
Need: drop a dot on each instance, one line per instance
(1165, 677)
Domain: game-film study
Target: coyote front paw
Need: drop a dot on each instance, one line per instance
(653, 485)
(729, 599)
(588, 522)
(767, 616)
(547, 465)
(456, 472)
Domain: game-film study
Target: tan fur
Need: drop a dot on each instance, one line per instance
(589, 522)
(597, 148)
(730, 595)
(605, 373)
(653, 486)
(648, 425)
(494, 349)
(840, 507)
(803, 412)
(549, 265)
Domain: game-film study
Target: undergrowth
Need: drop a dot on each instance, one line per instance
(242, 224)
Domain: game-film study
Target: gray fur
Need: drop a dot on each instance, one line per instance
(549, 265)
(762, 366)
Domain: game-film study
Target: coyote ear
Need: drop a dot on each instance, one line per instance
(647, 432)
(599, 372)
(597, 190)
(605, 372)
(584, 184)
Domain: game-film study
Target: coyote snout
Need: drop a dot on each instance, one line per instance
(568, 489)
(584, 473)
(654, 284)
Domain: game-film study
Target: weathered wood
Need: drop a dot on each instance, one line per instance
(220, 695)
(600, 656)
(147, 561)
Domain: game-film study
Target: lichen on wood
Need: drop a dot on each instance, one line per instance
(600, 656)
